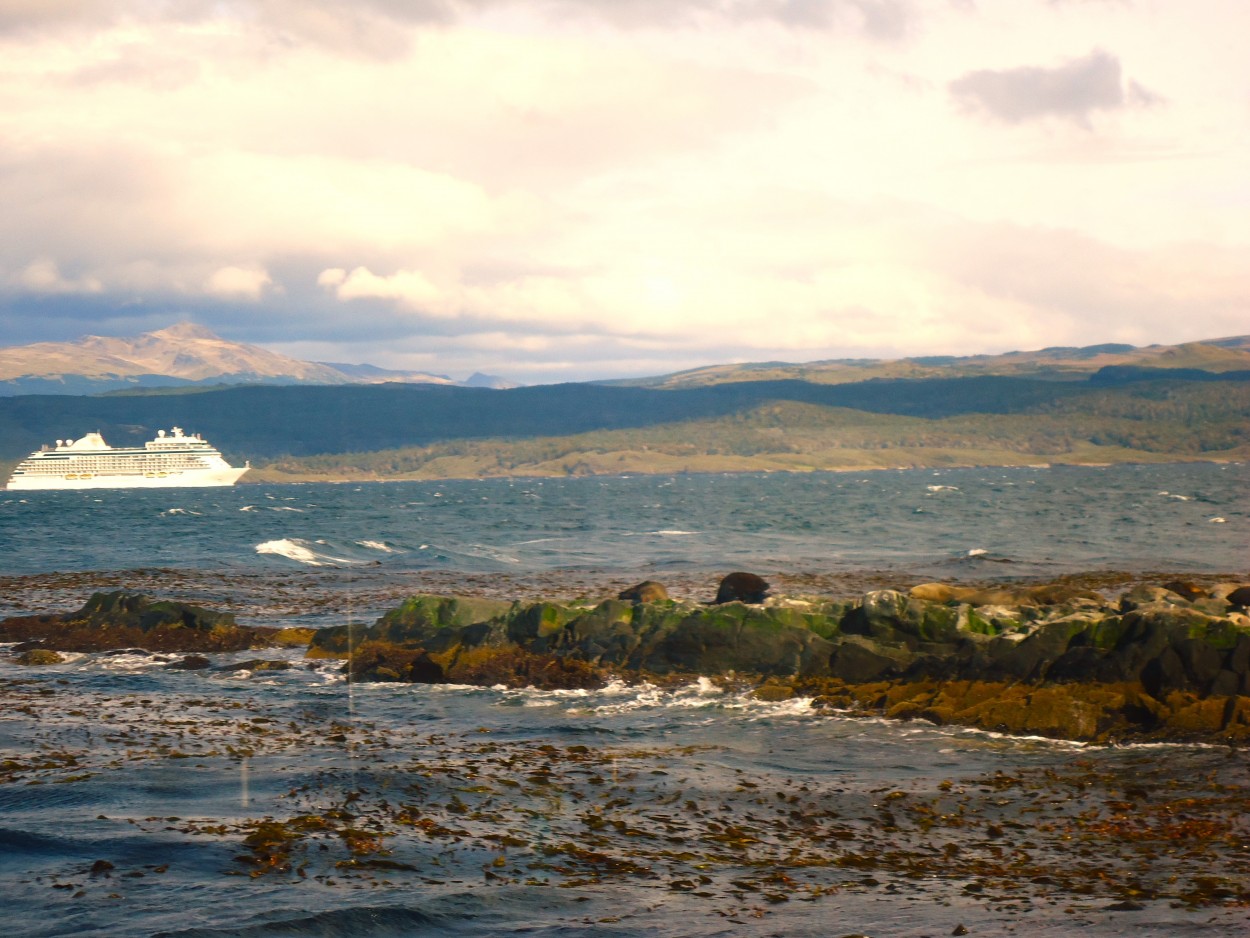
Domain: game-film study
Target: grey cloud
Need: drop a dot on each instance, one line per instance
(1072, 91)
(375, 27)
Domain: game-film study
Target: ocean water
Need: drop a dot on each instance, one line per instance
(274, 799)
(243, 544)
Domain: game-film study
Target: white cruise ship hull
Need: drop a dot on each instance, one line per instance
(190, 478)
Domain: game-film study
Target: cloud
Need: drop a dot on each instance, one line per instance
(379, 28)
(409, 288)
(244, 283)
(42, 276)
(1072, 91)
(1069, 284)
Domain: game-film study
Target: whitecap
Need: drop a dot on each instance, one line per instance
(1217, 520)
(299, 550)
(977, 552)
(380, 545)
(942, 488)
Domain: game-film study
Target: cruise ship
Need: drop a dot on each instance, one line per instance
(173, 459)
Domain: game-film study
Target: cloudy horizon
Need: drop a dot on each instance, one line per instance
(567, 189)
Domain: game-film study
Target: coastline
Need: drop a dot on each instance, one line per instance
(613, 464)
(1097, 657)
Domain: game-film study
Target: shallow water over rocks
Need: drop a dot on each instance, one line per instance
(136, 799)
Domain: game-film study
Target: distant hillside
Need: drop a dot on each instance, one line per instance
(798, 424)
(182, 355)
(1056, 363)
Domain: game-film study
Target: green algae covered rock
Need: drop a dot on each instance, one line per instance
(740, 638)
(38, 657)
(420, 621)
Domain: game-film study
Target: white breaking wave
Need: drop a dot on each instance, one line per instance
(299, 550)
(380, 545)
(978, 552)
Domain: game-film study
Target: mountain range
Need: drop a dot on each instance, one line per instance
(184, 354)
(188, 355)
(1054, 363)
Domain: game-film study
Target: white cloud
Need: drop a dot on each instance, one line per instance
(248, 283)
(409, 288)
(43, 276)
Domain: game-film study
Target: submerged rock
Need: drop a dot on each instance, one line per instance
(39, 656)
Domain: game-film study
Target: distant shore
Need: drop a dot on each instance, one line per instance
(616, 464)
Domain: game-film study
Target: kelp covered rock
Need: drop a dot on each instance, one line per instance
(121, 619)
(661, 638)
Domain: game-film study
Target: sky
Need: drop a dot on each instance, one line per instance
(555, 190)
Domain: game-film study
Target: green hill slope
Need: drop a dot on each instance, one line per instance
(405, 431)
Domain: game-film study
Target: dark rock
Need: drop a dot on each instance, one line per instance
(27, 646)
(189, 663)
(1031, 657)
(101, 868)
(743, 588)
(1163, 673)
(120, 608)
(1128, 905)
(256, 664)
(1239, 597)
(647, 591)
(860, 664)
(377, 661)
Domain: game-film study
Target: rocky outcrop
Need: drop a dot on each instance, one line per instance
(122, 619)
(460, 636)
(1039, 659)
(1166, 661)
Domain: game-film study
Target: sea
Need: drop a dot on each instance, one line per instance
(265, 796)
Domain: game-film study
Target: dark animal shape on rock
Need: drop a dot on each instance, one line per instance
(741, 588)
(1185, 590)
(647, 591)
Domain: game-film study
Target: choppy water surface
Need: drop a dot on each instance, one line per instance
(278, 551)
(240, 800)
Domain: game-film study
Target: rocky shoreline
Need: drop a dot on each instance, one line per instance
(1167, 659)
